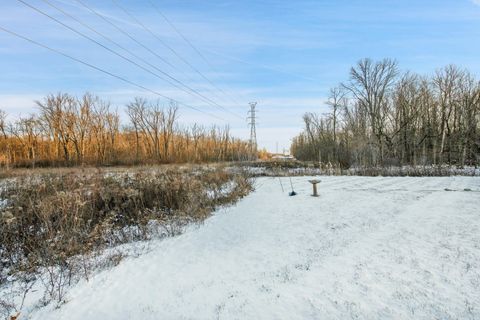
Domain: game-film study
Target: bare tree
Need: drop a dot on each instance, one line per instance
(337, 102)
(168, 119)
(134, 113)
(53, 111)
(371, 84)
(5, 146)
(392, 119)
(27, 131)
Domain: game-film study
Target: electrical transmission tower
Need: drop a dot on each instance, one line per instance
(253, 130)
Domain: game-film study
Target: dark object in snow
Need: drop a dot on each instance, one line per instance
(293, 193)
(467, 189)
(314, 184)
(15, 317)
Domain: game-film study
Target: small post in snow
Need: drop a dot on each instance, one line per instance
(314, 184)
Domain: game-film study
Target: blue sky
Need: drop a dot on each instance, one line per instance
(283, 54)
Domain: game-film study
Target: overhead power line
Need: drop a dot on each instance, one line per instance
(141, 24)
(199, 53)
(204, 98)
(210, 101)
(101, 16)
(187, 90)
(178, 32)
(106, 72)
(263, 66)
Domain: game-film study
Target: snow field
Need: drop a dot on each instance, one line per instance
(367, 248)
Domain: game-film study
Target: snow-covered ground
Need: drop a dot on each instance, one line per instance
(367, 248)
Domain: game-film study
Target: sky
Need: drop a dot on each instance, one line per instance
(284, 55)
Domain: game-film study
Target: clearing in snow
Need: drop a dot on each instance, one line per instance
(366, 248)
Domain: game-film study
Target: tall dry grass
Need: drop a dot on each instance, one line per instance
(48, 221)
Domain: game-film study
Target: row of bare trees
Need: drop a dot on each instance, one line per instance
(381, 116)
(87, 131)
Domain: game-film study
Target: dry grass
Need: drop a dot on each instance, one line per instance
(51, 219)
(302, 168)
(87, 170)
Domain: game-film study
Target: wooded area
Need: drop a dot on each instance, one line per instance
(381, 116)
(87, 131)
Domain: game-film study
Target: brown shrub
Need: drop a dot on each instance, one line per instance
(50, 218)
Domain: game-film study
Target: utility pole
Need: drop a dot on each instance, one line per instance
(253, 130)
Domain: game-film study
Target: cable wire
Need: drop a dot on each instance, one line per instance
(116, 53)
(202, 56)
(141, 24)
(106, 72)
(82, 3)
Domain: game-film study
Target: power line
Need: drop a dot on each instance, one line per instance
(105, 71)
(186, 40)
(266, 67)
(114, 52)
(209, 101)
(166, 45)
(124, 33)
(152, 52)
(179, 33)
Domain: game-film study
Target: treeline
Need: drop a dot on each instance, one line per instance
(87, 131)
(381, 117)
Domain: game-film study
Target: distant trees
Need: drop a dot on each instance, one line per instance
(78, 131)
(383, 117)
(156, 125)
(5, 155)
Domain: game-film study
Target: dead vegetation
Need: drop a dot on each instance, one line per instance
(311, 168)
(51, 223)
